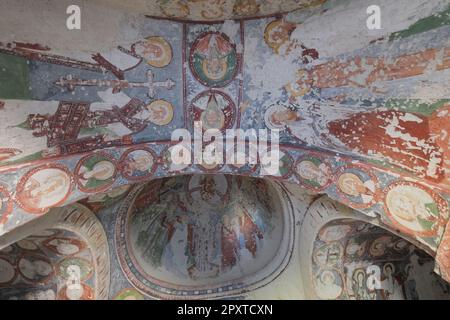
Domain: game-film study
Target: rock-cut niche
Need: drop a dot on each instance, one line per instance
(203, 236)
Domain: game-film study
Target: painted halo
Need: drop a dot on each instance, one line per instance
(138, 164)
(215, 109)
(6, 204)
(334, 232)
(7, 272)
(313, 172)
(415, 209)
(35, 268)
(356, 186)
(156, 51)
(212, 10)
(44, 187)
(161, 112)
(278, 33)
(96, 172)
(27, 245)
(213, 60)
(85, 267)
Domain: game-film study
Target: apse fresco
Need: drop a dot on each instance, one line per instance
(177, 236)
(359, 261)
(49, 265)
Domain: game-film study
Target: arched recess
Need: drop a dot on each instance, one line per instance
(177, 240)
(324, 213)
(83, 224)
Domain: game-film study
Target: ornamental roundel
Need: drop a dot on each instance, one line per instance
(213, 59)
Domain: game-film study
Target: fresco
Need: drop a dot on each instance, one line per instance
(224, 9)
(51, 265)
(363, 119)
(358, 261)
(176, 236)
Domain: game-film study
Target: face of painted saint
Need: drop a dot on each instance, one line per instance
(351, 184)
(215, 65)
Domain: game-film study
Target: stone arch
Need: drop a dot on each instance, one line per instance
(321, 213)
(83, 225)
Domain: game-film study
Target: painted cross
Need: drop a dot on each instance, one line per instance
(70, 83)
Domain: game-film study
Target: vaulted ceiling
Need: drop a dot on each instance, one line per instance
(363, 114)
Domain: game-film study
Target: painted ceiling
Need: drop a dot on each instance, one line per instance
(364, 114)
(214, 10)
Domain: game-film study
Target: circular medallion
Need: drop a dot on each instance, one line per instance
(7, 272)
(156, 51)
(415, 209)
(328, 284)
(176, 158)
(356, 186)
(96, 172)
(44, 187)
(6, 204)
(35, 268)
(213, 60)
(82, 268)
(138, 164)
(313, 172)
(215, 109)
(245, 8)
(161, 112)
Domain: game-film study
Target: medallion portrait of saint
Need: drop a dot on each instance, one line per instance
(213, 60)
